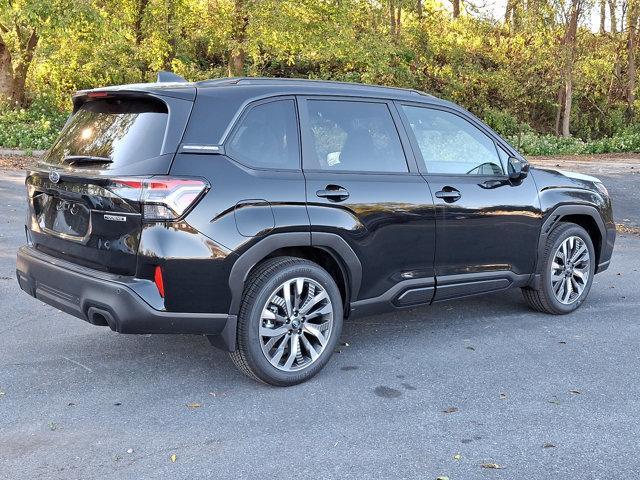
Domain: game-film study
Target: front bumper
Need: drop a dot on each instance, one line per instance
(106, 299)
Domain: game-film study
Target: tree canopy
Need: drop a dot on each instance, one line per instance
(539, 67)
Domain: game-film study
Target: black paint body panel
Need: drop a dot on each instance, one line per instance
(396, 244)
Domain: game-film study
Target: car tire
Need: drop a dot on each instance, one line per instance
(561, 289)
(312, 312)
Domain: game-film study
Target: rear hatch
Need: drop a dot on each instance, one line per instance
(86, 195)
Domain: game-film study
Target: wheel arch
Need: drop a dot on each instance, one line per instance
(329, 250)
(585, 216)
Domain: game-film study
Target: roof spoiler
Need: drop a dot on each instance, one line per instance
(167, 77)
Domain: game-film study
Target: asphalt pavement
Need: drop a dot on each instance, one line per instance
(441, 391)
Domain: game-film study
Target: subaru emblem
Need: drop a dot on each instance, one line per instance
(54, 176)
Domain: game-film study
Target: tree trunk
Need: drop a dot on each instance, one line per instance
(612, 16)
(603, 16)
(559, 111)
(238, 38)
(456, 8)
(6, 73)
(566, 114)
(568, 61)
(392, 18)
(172, 39)
(20, 70)
(507, 12)
(419, 9)
(139, 35)
(632, 21)
(137, 22)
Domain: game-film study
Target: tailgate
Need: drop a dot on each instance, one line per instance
(84, 196)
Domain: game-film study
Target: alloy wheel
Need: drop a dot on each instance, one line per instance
(570, 270)
(296, 324)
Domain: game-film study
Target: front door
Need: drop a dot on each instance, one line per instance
(487, 227)
(363, 185)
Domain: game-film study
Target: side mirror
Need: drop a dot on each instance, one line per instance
(518, 169)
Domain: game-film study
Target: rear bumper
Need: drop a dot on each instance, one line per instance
(113, 300)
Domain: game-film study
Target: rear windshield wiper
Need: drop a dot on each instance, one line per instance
(86, 159)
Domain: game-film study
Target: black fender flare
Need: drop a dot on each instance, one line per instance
(557, 214)
(335, 244)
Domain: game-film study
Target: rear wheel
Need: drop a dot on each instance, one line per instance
(289, 323)
(566, 271)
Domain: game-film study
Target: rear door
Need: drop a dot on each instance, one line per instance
(362, 184)
(84, 196)
(487, 226)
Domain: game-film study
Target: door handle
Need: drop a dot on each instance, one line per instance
(449, 194)
(334, 193)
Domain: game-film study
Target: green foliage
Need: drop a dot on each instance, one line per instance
(531, 143)
(34, 128)
(509, 75)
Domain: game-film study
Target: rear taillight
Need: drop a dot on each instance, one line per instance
(163, 198)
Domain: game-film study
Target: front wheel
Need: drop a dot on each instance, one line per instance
(566, 271)
(289, 323)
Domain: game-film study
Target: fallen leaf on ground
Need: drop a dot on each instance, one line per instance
(575, 392)
(130, 450)
(555, 401)
(457, 456)
(562, 343)
(503, 396)
(173, 458)
(548, 445)
(217, 394)
(450, 410)
(494, 466)
(1, 393)
(53, 426)
(442, 478)
(469, 347)
(344, 344)
(194, 405)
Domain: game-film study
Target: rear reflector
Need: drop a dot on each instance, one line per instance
(157, 278)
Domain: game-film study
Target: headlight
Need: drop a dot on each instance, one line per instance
(602, 189)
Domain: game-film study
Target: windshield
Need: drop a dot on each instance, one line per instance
(114, 130)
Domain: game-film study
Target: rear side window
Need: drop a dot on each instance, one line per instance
(451, 145)
(352, 136)
(267, 137)
(122, 130)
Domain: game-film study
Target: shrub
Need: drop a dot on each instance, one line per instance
(33, 128)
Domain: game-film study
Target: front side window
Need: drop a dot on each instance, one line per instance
(451, 145)
(267, 137)
(352, 136)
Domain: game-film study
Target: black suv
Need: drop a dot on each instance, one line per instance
(262, 212)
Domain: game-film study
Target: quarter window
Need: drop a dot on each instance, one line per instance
(267, 137)
(451, 145)
(352, 136)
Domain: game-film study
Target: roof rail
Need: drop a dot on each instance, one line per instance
(263, 80)
(168, 77)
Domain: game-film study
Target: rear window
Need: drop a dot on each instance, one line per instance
(122, 130)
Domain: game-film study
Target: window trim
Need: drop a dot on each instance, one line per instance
(305, 130)
(422, 166)
(237, 123)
